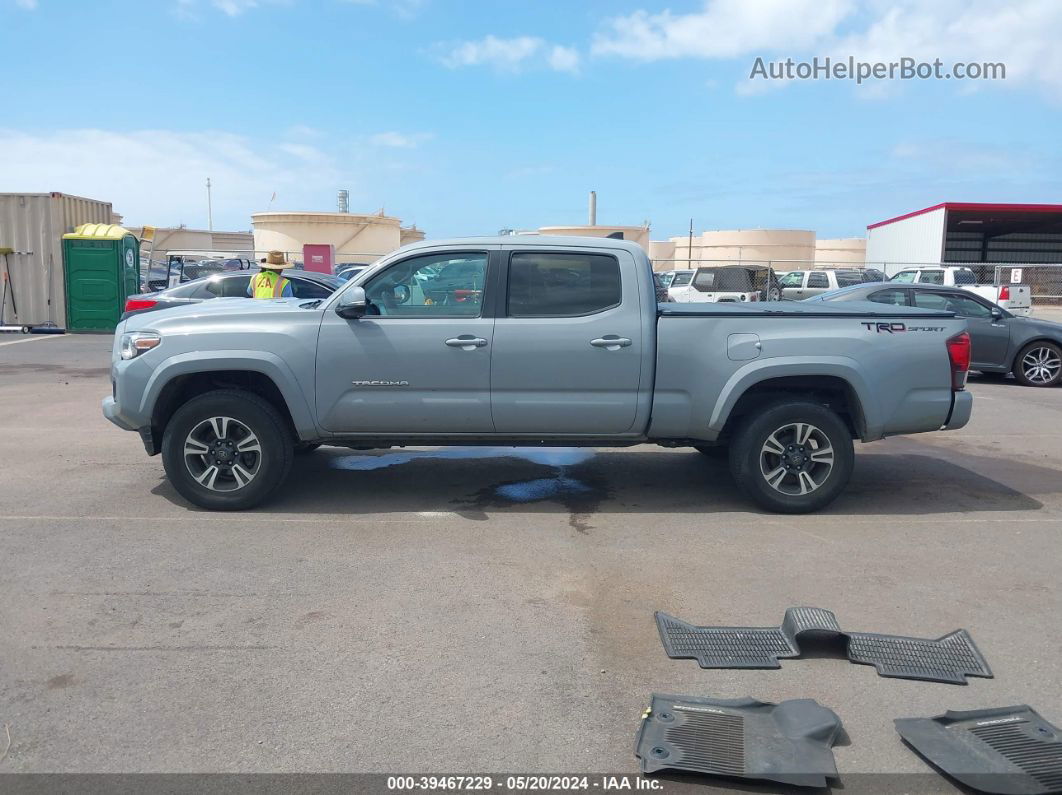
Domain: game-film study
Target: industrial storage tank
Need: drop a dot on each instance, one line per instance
(363, 236)
(636, 234)
(748, 245)
(841, 251)
(410, 234)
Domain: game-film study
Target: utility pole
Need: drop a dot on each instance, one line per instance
(210, 209)
(691, 244)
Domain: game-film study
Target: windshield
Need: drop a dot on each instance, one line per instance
(905, 277)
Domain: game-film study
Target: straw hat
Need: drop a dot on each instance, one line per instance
(275, 261)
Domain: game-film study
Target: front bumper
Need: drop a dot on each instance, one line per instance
(113, 412)
(961, 408)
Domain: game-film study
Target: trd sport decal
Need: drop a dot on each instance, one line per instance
(896, 328)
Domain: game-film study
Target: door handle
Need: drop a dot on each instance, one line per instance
(466, 342)
(611, 342)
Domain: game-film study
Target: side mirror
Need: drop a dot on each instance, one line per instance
(997, 313)
(352, 304)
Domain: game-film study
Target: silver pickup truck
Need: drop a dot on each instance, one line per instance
(530, 341)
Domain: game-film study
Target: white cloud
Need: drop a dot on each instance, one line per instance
(29, 5)
(563, 59)
(158, 176)
(722, 29)
(511, 55)
(1022, 34)
(397, 140)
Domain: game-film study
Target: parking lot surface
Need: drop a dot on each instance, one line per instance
(485, 609)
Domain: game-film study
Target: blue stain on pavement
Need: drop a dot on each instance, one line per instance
(541, 489)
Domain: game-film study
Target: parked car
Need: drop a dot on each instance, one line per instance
(872, 275)
(1015, 298)
(347, 272)
(537, 361)
(678, 280)
(1001, 341)
(306, 284)
(798, 285)
(728, 283)
(661, 289)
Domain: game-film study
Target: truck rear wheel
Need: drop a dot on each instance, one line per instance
(227, 450)
(793, 457)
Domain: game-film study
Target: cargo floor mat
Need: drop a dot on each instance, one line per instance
(1007, 750)
(743, 738)
(948, 659)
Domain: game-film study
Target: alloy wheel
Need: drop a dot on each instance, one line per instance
(222, 454)
(1041, 365)
(796, 459)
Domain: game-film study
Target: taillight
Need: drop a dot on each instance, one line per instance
(132, 304)
(959, 355)
(1004, 292)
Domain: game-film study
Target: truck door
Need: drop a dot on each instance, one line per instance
(419, 362)
(792, 285)
(568, 344)
(989, 337)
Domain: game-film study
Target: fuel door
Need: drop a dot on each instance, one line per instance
(742, 347)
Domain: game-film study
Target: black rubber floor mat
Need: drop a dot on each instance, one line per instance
(1008, 750)
(948, 659)
(743, 738)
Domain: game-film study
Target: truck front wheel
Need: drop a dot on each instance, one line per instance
(227, 450)
(792, 457)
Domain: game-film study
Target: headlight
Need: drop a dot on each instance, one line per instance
(136, 343)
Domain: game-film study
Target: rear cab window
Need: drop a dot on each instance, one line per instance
(818, 280)
(931, 277)
(562, 285)
(964, 276)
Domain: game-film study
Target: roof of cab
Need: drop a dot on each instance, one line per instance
(531, 241)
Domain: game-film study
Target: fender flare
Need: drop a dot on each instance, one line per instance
(758, 371)
(264, 362)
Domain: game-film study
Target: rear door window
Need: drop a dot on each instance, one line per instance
(931, 301)
(304, 288)
(562, 285)
(845, 279)
(893, 297)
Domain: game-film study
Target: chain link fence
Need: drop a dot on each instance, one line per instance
(1044, 280)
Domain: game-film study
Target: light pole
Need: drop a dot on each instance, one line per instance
(210, 209)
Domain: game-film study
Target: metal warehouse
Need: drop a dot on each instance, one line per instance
(964, 232)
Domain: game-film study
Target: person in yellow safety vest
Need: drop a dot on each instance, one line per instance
(268, 283)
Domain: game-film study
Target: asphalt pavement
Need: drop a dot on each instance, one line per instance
(469, 610)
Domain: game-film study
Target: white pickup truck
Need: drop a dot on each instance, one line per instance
(1015, 298)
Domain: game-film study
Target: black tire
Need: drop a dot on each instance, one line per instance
(1027, 374)
(306, 447)
(780, 420)
(273, 461)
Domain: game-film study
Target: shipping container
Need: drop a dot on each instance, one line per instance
(33, 224)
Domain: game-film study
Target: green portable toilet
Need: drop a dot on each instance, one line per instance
(102, 270)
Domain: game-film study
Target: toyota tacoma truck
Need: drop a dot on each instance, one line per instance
(554, 341)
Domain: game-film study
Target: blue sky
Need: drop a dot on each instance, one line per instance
(467, 117)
